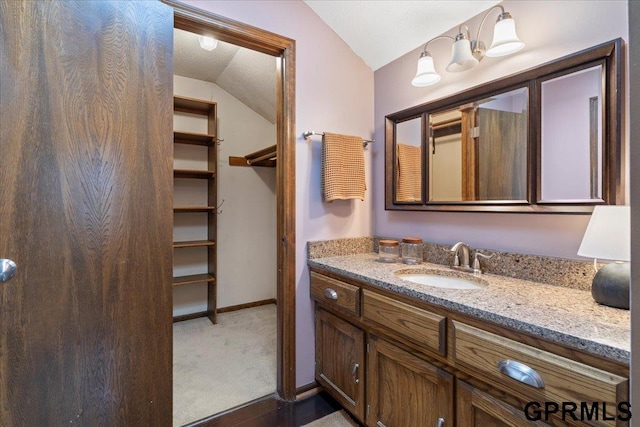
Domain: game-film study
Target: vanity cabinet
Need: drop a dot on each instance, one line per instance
(475, 408)
(431, 366)
(425, 329)
(404, 389)
(535, 375)
(340, 361)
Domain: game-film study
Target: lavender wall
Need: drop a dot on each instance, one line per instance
(550, 30)
(334, 92)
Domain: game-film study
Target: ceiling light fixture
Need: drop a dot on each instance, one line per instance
(467, 53)
(207, 43)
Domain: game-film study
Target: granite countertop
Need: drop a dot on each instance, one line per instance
(567, 316)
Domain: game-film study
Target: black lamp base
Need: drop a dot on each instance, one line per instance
(610, 285)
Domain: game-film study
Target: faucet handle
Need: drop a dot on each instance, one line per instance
(478, 253)
(476, 262)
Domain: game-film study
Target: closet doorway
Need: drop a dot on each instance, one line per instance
(276, 129)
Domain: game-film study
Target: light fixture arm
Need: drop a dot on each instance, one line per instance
(486, 15)
(476, 48)
(466, 53)
(466, 30)
(424, 51)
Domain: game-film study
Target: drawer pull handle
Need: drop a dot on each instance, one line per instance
(521, 372)
(440, 422)
(331, 294)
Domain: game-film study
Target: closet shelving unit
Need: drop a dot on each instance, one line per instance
(208, 109)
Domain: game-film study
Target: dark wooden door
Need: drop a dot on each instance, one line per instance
(404, 390)
(86, 213)
(340, 361)
(502, 155)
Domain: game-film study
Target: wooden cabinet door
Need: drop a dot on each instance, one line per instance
(340, 361)
(85, 213)
(404, 390)
(475, 408)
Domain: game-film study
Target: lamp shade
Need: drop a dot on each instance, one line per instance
(461, 57)
(207, 43)
(608, 234)
(426, 74)
(505, 39)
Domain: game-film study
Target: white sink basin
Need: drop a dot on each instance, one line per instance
(432, 278)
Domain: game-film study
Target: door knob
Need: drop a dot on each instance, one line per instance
(7, 269)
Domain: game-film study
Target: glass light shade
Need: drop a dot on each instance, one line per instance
(426, 74)
(207, 43)
(505, 39)
(461, 57)
(608, 234)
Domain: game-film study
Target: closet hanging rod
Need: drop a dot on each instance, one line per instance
(309, 133)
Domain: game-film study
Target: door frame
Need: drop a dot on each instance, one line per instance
(202, 22)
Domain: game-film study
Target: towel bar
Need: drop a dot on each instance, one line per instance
(309, 133)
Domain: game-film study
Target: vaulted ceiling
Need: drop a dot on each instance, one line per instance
(378, 31)
(381, 31)
(247, 75)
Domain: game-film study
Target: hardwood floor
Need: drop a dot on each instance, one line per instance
(270, 412)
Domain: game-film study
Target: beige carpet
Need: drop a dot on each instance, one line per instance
(217, 367)
(336, 419)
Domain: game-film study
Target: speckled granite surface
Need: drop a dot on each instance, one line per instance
(540, 269)
(327, 248)
(559, 314)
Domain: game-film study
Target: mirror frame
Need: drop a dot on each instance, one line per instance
(608, 54)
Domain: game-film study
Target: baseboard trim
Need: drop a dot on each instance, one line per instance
(230, 416)
(247, 305)
(308, 390)
(190, 316)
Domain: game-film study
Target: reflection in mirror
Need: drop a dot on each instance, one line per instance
(572, 135)
(478, 151)
(409, 160)
(445, 161)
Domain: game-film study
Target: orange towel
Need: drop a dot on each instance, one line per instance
(342, 167)
(408, 173)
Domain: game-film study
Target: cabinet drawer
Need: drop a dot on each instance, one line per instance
(335, 293)
(563, 380)
(420, 326)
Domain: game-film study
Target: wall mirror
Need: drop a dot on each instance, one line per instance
(478, 150)
(544, 140)
(577, 136)
(408, 156)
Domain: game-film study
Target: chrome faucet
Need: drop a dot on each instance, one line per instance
(465, 257)
(464, 264)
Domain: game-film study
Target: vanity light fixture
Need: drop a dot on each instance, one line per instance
(207, 43)
(467, 53)
(608, 237)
